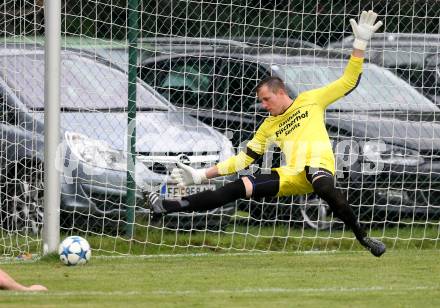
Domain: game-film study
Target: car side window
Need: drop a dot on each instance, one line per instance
(189, 83)
(154, 73)
(237, 85)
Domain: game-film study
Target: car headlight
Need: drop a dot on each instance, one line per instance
(96, 152)
(381, 152)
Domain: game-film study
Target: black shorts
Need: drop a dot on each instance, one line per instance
(265, 185)
(268, 185)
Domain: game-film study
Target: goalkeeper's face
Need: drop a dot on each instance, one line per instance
(274, 102)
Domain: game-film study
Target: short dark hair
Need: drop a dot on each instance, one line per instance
(274, 83)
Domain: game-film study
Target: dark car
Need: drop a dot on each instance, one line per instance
(403, 53)
(116, 51)
(386, 144)
(93, 134)
(216, 90)
(212, 89)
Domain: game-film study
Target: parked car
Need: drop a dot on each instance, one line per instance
(213, 89)
(116, 51)
(152, 47)
(383, 109)
(402, 53)
(147, 47)
(93, 142)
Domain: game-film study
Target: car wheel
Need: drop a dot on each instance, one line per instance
(316, 213)
(24, 201)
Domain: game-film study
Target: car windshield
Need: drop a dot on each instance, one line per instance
(378, 89)
(86, 85)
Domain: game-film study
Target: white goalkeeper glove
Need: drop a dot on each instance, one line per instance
(185, 175)
(365, 29)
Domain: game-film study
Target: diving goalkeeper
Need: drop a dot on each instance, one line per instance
(298, 128)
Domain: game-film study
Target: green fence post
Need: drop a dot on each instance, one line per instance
(133, 31)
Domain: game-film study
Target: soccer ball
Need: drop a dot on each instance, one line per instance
(74, 250)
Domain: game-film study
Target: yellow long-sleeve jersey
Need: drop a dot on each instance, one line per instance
(300, 131)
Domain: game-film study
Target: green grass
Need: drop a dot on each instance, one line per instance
(149, 240)
(173, 273)
(276, 237)
(401, 278)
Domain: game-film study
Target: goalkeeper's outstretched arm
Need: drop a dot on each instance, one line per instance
(186, 175)
(363, 31)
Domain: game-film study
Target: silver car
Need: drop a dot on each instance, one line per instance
(94, 131)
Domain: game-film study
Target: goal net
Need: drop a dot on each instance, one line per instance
(197, 65)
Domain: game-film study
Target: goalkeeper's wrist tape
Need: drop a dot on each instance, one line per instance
(360, 44)
(202, 175)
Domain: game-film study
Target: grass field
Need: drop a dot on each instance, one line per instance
(237, 238)
(401, 278)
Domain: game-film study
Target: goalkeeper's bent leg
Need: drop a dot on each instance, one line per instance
(324, 187)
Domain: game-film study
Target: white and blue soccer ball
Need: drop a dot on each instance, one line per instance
(74, 250)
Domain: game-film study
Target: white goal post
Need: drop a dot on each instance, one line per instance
(196, 67)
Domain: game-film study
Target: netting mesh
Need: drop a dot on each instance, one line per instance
(198, 64)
